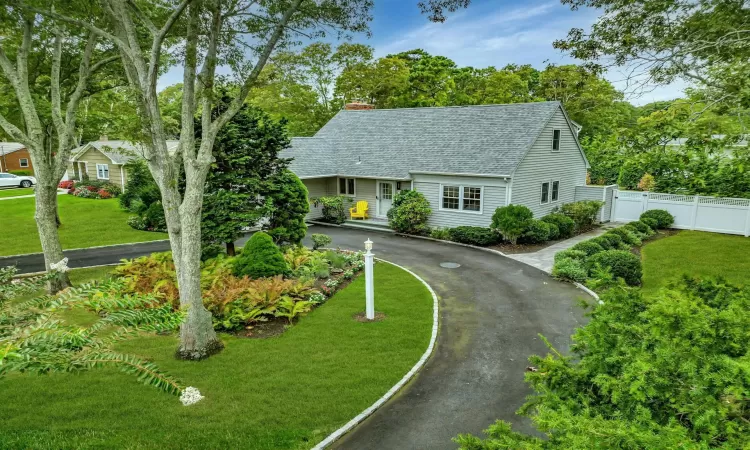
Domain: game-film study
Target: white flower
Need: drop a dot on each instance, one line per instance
(61, 266)
(190, 396)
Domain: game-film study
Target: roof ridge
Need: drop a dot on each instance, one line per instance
(493, 105)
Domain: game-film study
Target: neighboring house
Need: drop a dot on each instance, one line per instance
(14, 157)
(106, 160)
(467, 161)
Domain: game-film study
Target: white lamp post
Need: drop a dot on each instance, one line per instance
(369, 282)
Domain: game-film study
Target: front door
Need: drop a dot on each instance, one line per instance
(386, 190)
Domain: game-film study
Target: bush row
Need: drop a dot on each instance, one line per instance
(595, 260)
(97, 189)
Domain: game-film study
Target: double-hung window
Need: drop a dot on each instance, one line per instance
(461, 198)
(550, 190)
(545, 193)
(347, 186)
(102, 171)
(555, 140)
(23, 162)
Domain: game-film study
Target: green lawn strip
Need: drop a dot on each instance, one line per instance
(85, 223)
(16, 192)
(697, 254)
(285, 392)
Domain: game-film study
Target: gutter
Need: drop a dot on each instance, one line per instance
(454, 174)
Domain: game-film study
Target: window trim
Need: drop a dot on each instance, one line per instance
(552, 190)
(338, 186)
(461, 198)
(97, 171)
(558, 140)
(21, 160)
(541, 193)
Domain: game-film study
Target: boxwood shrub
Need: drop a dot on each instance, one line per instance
(664, 218)
(474, 236)
(570, 254)
(536, 232)
(602, 241)
(641, 227)
(588, 247)
(620, 263)
(652, 223)
(627, 236)
(554, 231)
(565, 224)
(615, 241)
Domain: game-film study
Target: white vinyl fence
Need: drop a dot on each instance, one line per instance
(691, 212)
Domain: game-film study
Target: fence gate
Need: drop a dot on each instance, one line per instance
(691, 212)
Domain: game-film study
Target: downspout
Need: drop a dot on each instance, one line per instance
(508, 191)
(122, 178)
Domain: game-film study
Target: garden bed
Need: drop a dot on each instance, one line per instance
(283, 393)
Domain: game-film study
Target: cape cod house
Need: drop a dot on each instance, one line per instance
(467, 161)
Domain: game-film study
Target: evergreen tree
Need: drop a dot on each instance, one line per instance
(289, 204)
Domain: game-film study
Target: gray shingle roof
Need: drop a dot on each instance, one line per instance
(119, 152)
(475, 140)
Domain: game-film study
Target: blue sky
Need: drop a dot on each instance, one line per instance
(488, 33)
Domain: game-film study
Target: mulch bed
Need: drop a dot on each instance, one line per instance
(361, 317)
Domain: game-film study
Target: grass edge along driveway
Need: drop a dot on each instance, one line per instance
(698, 254)
(85, 223)
(16, 192)
(287, 392)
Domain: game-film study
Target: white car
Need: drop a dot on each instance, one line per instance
(10, 180)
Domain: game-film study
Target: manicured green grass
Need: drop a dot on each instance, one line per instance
(85, 223)
(697, 254)
(15, 192)
(287, 392)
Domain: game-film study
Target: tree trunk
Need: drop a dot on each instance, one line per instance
(230, 248)
(46, 222)
(198, 339)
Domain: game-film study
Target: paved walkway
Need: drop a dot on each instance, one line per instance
(491, 312)
(544, 259)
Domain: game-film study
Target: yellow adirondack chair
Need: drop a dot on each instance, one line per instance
(359, 211)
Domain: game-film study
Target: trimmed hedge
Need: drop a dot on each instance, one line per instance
(474, 236)
(663, 218)
(588, 247)
(570, 269)
(570, 254)
(627, 236)
(620, 263)
(602, 241)
(615, 241)
(512, 221)
(536, 232)
(565, 224)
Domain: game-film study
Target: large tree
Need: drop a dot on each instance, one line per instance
(46, 70)
(206, 33)
(706, 43)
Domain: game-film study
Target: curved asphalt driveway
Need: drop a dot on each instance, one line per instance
(491, 311)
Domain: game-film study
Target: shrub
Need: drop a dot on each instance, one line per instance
(320, 240)
(154, 217)
(409, 213)
(210, 251)
(21, 173)
(443, 234)
(67, 184)
(583, 213)
(536, 232)
(104, 194)
(588, 247)
(554, 231)
(615, 241)
(628, 237)
(570, 270)
(137, 222)
(620, 263)
(663, 217)
(640, 226)
(473, 236)
(565, 224)
(571, 254)
(334, 208)
(289, 206)
(511, 221)
(647, 182)
(260, 258)
(336, 259)
(651, 222)
(603, 242)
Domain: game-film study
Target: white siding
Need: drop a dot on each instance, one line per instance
(316, 187)
(542, 165)
(493, 197)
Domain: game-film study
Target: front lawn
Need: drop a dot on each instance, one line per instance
(696, 253)
(284, 392)
(16, 192)
(85, 223)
